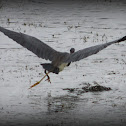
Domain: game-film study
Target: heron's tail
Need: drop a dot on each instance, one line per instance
(49, 67)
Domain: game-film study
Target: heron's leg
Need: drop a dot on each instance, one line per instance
(48, 78)
(39, 81)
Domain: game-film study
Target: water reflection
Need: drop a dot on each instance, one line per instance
(62, 103)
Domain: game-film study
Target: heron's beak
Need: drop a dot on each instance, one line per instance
(38, 81)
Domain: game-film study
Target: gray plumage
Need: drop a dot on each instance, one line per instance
(81, 54)
(44, 51)
(33, 44)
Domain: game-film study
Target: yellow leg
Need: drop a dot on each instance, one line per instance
(38, 81)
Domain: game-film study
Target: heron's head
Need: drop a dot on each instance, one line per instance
(72, 50)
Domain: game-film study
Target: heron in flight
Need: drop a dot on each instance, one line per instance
(59, 60)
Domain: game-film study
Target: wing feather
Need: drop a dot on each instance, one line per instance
(46, 52)
(33, 44)
(81, 54)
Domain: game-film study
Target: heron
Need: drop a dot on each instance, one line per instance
(59, 60)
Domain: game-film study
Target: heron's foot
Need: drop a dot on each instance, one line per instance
(48, 79)
(34, 84)
(40, 81)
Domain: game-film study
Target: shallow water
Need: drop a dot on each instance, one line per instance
(63, 25)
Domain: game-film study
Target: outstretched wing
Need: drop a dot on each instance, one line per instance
(33, 44)
(81, 54)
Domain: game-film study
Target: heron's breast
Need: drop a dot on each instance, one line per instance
(62, 66)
